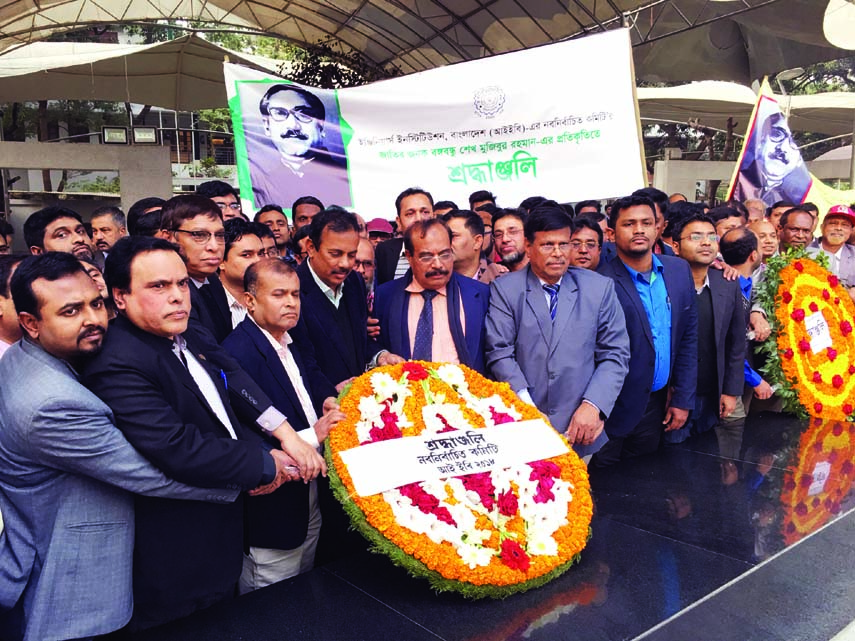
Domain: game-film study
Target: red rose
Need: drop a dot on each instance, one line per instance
(804, 345)
(415, 371)
(832, 353)
(799, 267)
(787, 296)
(814, 307)
(833, 280)
(852, 369)
(801, 509)
(806, 480)
(837, 430)
(847, 409)
(500, 417)
(836, 300)
(514, 556)
(798, 314)
(508, 504)
(825, 294)
(817, 407)
(788, 353)
(846, 327)
(837, 381)
(817, 377)
(847, 467)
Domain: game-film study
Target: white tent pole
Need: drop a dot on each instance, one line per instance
(852, 156)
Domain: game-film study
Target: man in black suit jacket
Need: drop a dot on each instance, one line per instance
(721, 329)
(282, 528)
(183, 402)
(663, 335)
(195, 224)
(334, 307)
(412, 205)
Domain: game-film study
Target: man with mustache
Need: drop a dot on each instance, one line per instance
(658, 301)
(509, 238)
(721, 331)
(66, 471)
(108, 226)
(434, 314)
(299, 163)
(57, 229)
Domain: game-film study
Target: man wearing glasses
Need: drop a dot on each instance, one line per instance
(299, 162)
(586, 243)
(195, 225)
(226, 197)
(434, 314)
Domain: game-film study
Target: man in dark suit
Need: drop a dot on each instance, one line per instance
(195, 224)
(412, 205)
(434, 314)
(282, 528)
(658, 301)
(333, 299)
(180, 400)
(721, 329)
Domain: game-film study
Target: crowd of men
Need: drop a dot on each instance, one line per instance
(169, 376)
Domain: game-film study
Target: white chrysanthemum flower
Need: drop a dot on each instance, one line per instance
(384, 386)
(542, 546)
(475, 556)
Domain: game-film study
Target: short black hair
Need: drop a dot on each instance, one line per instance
(116, 214)
(117, 267)
(250, 276)
(6, 228)
(261, 230)
(548, 216)
(180, 208)
(216, 189)
(294, 242)
(472, 220)
(782, 203)
(626, 202)
(508, 211)
(588, 221)
(7, 263)
(721, 213)
(315, 105)
(148, 224)
(35, 225)
(479, 196)
(785, 217)
(336, 218)
(410, 191)
(737, 245)
(51, 266)
(658, 196)
(445, 204)
(531, 202)
(268, 208)
(138, 209)
(677, 213)
(810, 207)
(420, 228)
(236, 228)
(699, 217)
(733, 203)
(587, 203)
(306, 200)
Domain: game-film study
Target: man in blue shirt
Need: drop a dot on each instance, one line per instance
(658, 298)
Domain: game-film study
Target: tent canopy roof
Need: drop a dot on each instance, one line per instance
(676, 40)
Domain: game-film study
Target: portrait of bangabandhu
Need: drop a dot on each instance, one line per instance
(772, 168)
(294, 145)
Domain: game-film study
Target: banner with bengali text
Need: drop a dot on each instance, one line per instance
(559, 121)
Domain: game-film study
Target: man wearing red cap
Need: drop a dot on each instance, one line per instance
(379, 229)
(836, 228)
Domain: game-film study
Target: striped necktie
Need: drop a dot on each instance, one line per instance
(552, 290)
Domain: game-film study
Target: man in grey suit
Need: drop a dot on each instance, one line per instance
(558, 337)
(65, 469)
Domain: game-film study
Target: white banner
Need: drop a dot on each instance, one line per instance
(385, 465)
(558, 121)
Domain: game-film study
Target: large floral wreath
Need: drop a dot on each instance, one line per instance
(796, 290)
(483, 534)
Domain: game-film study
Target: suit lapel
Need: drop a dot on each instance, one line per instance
(719, 309)
(190, 383)
(399, 332)
(318, 302)
(568, 296)
(535, 298)
(624, 281)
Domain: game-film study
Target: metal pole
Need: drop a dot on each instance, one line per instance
(4, 177)
(852, 156)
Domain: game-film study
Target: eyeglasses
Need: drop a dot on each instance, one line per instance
(280, 114)
(513, 231)
(549, 248)
(232, 206)
(699, 237)
(590, 245)
(364, 264)
(202, 237)
(271, 253)
(444, 256)
(778, 134)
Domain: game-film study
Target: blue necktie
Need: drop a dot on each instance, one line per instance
(552, 290)
(423, 343)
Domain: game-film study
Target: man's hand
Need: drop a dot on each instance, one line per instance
(760, 326)
(388, 358)
(585, 425)
(727, 271)
(763, 390)
(341, 386)
(306, 458)
(330, 403)
(328, 421)
(726, 405)
(675, 418)
(285, 471)
(373, 327)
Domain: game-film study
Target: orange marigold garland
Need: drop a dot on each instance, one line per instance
(485, 534)
(798, 292)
